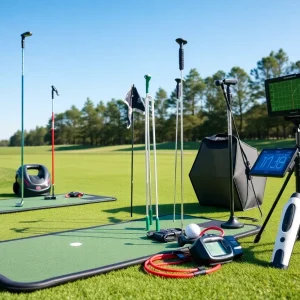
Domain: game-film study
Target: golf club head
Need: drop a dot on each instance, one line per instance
(23, 36)
(19, 204)
(52, 197)
(26, 34)
(54, 90)
(181, 41)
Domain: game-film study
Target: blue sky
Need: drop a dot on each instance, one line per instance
(98, 49)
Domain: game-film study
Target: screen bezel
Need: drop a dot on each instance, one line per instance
(254, 172)
(284, 113)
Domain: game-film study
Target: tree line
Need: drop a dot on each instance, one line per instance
(204, 109)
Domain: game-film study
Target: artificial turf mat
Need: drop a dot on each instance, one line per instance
(38, 262)
(33, 203)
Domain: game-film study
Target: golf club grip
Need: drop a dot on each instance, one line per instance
(181, 58)
(177, 90)
(147, 77)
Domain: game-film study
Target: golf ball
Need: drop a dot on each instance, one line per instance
(192, 231)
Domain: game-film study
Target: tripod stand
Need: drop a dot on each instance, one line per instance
(290, 220)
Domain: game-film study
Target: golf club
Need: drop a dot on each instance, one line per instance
(52, 196)
(178, 91)
(23, 36)
(181, 43)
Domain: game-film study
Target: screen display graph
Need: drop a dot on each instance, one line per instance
(283, 95)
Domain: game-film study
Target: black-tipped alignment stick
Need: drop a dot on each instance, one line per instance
(178, 80)
(181, 43)
(53, 91)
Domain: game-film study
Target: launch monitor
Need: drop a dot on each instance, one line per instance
(274, 162)
(283, 96)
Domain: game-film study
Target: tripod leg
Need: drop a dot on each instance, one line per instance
(258, 236)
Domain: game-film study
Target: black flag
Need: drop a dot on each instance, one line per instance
(134, 103)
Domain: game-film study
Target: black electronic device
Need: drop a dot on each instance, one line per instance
(211, 249)
(283, 96)
(274, 162)
(165, 235)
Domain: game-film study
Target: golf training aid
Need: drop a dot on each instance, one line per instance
(23, 36)
(211, 249)
(165, 235)
(208, 250)
(35, 184)
(274, 162)
(52, 196)
(178, 92)
(149, 214)
(181, 43)
(287, 233)
(74, 194)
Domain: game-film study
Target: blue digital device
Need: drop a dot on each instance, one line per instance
(274, 162)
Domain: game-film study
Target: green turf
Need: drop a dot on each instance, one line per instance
(32, 203)
(106, 171)
(100, 248)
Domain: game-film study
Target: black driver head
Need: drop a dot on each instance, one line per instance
(26, 34)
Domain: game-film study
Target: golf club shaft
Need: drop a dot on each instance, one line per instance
(22, 131)
(181, 148)
(155, 166)
(176, 146)
(181, 42)
(149, 165)
(146, 162)
(53, 140)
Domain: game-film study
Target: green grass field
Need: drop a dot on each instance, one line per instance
(106, 171)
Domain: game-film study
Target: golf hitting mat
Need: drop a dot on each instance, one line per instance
(47, 260)
(33, 203)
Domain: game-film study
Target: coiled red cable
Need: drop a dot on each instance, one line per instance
(151, 267)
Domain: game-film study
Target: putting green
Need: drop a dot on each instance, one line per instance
(32, 203)
(42, 261)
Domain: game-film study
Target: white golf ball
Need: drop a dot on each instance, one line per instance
(192, 231)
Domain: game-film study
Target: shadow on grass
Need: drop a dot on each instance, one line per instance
(165, 146)
(249, 254)
(164, 209)
(74, 147)
(5, 196)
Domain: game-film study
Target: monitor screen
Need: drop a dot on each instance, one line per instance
(283, 95)
(273, 162)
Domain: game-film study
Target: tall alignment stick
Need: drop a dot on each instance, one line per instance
(148, 188)
(178, 80)
(23, 36)
(155, 163)
(181, 42)
(54, 90)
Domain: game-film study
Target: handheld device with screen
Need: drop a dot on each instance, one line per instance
(274, 162)
(211, 249)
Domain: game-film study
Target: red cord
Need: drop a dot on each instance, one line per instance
(150, 265)
(212, 228)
